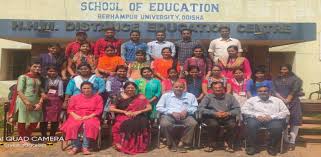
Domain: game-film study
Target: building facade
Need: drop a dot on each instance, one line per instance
(271, 32)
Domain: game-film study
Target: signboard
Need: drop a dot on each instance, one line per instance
(16, 29)
(129, 10)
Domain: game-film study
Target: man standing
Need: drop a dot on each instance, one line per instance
(177, 108)
(155, 47)
(264, 111)
(129, 48)
(109, 39)
(220, 109)
(218, 47)
(184, 47)
(73, 47)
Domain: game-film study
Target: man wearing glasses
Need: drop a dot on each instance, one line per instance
(264, 111)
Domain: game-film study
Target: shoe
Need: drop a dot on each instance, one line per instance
(181, 147)
(210, 148)
(73, 151)
(272, 151)
(250, 151)
(291, 147)
(229, 149)
(173, 148)
(85, 151)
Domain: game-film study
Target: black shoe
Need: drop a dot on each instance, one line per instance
(272, 151)
(250, 151)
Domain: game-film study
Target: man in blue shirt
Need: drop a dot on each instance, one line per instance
(129, 48)
(177, 108)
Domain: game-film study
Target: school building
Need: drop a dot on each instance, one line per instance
(271, 32)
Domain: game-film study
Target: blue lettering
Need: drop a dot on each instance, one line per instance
(160, 6)
(152, 7)
(83, 6)
(105, 6)
(184, 8)
(193, 7)
(207, 8)
(176, 7)
(215, 7)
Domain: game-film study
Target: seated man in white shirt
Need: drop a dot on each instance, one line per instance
(177, 107)
(264, 111)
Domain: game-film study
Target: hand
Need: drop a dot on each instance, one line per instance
(267, 118)
(176, 115)
(136, 113)
(65, 104)
(260, 118)
(64, 78)
(225, 114)
(217, 114)
(183, 114)
(86, 117)
(129, 113)
(29, 106)
(44, 96)
(77, 117)
(38, 107)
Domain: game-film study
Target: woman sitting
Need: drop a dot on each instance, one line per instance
(131, 128)
(84, 115)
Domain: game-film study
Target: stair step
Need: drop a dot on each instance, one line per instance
(310, 129)
(311, 120)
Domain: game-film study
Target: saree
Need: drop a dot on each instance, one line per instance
(131, 134)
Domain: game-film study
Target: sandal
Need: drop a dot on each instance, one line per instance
(85, 151)
(117, 146)
(73, 151)
(229, 149)
(209, 149)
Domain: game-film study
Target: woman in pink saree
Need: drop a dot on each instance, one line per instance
(84, 112)
(235, 62)
(131, 130)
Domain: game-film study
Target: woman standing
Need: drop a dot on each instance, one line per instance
(198, 59)
(53, 57)
(85, 74)
(234, 62)
(29, 102)
(131, 131)
(257, 80)
(216, 76)
(53, 102)
(150, 87)
(84, 55)
(287, 87)
(84, 112)
(237, 86)
(139, 63)
(161, 65)
(173, 76)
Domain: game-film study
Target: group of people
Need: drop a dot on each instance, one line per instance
(136, 81)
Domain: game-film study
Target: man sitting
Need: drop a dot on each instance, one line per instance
(264, 111)
(177, 108)
(219, 109)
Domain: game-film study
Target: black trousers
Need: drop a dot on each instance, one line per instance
(214, 125)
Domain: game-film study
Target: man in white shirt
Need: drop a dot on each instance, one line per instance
(218, 47)
(154, 48)
(264, 111)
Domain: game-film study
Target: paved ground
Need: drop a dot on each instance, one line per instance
(304, 150)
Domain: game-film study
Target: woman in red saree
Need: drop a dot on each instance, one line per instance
(131, 130)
